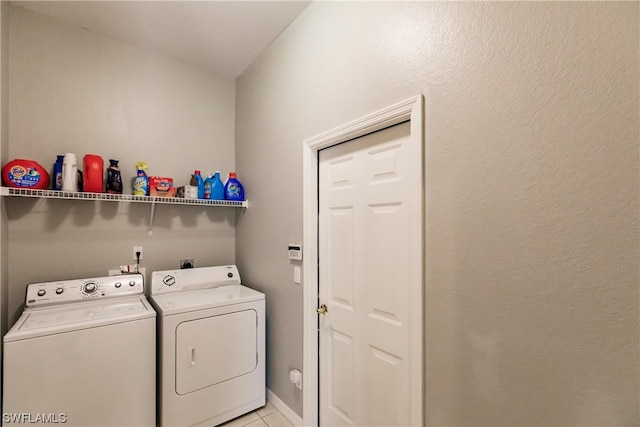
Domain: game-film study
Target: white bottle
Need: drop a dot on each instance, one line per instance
(70, 173)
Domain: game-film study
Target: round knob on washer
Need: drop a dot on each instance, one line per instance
(59, 291)
(118, 284)
(132, 283)
(90, 288)
(41, 292)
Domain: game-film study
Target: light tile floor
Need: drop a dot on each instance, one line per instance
(267, 416)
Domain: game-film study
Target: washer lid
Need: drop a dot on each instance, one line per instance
(180, 302)
(64, 318)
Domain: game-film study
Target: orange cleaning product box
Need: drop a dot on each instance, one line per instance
(161, 187)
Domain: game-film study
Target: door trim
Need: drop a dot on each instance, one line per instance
(409, 109)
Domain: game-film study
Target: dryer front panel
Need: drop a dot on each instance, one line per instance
(215, 349)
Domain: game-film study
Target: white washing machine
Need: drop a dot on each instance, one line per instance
(211, 346)
(83, 353)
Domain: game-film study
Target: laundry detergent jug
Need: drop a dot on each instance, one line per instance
(93, 174)
(22, 173)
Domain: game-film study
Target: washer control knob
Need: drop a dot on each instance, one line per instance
(41, 292)
(89, 288)
(229, 275)
(118, 284)
(132, 283)
(59, 291)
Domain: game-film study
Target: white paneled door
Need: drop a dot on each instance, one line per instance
(370, 258)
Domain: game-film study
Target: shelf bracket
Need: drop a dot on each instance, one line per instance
(153, 211)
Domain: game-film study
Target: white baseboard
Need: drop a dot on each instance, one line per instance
(284, 409)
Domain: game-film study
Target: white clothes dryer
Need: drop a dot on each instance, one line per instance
(82, 354)
(211, 346)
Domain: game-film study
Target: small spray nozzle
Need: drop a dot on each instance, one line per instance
(141, 165)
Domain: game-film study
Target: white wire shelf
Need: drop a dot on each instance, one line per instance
(69, 195)
(54, 194)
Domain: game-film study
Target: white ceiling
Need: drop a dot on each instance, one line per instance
(224, 36)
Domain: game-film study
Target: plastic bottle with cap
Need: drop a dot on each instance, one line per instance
(141, 180)
(197, 181)
(233, 189)
(93, 176)
(70, 173)
(57, 173)
(208, 182)
(114, 178)
(217, 187)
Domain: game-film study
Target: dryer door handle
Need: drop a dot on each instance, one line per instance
(191, 356)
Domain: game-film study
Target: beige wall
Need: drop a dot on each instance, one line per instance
(72, 90)
(532, 174)
(4, 132)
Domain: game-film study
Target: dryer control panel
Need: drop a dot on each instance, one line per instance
(65, 291)
(193, 278)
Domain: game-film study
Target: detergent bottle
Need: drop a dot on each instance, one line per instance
(217, 187)
(141, 181)
(57, 173)
(197, 181)
(207, 187)
(233, 189)
(114, 178)
(93, 176)
(23, 173)
(70, 173)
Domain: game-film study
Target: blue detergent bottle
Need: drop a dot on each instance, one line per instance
(207, 187)
(217, 187)
(57, 173)
(233, 189)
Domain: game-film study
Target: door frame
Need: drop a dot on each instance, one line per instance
(410, 109)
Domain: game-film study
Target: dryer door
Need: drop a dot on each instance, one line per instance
(215, 349)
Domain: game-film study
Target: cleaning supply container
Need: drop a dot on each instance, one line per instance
(217, 187)
(23, 173)
(207, 187)
(70, 173)
(141, 181)
(197, 181)
(93, 178)
(114, 178)
(233, 189)
(57, 173)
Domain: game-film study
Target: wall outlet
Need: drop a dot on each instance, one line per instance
(295, 376)
(141, 270)
(137, 249)
(187, 263)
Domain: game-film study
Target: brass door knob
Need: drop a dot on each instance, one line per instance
(323, 309)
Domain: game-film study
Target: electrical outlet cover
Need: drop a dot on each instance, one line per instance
(187, 263)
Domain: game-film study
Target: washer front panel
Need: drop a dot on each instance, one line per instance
(102, 376)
